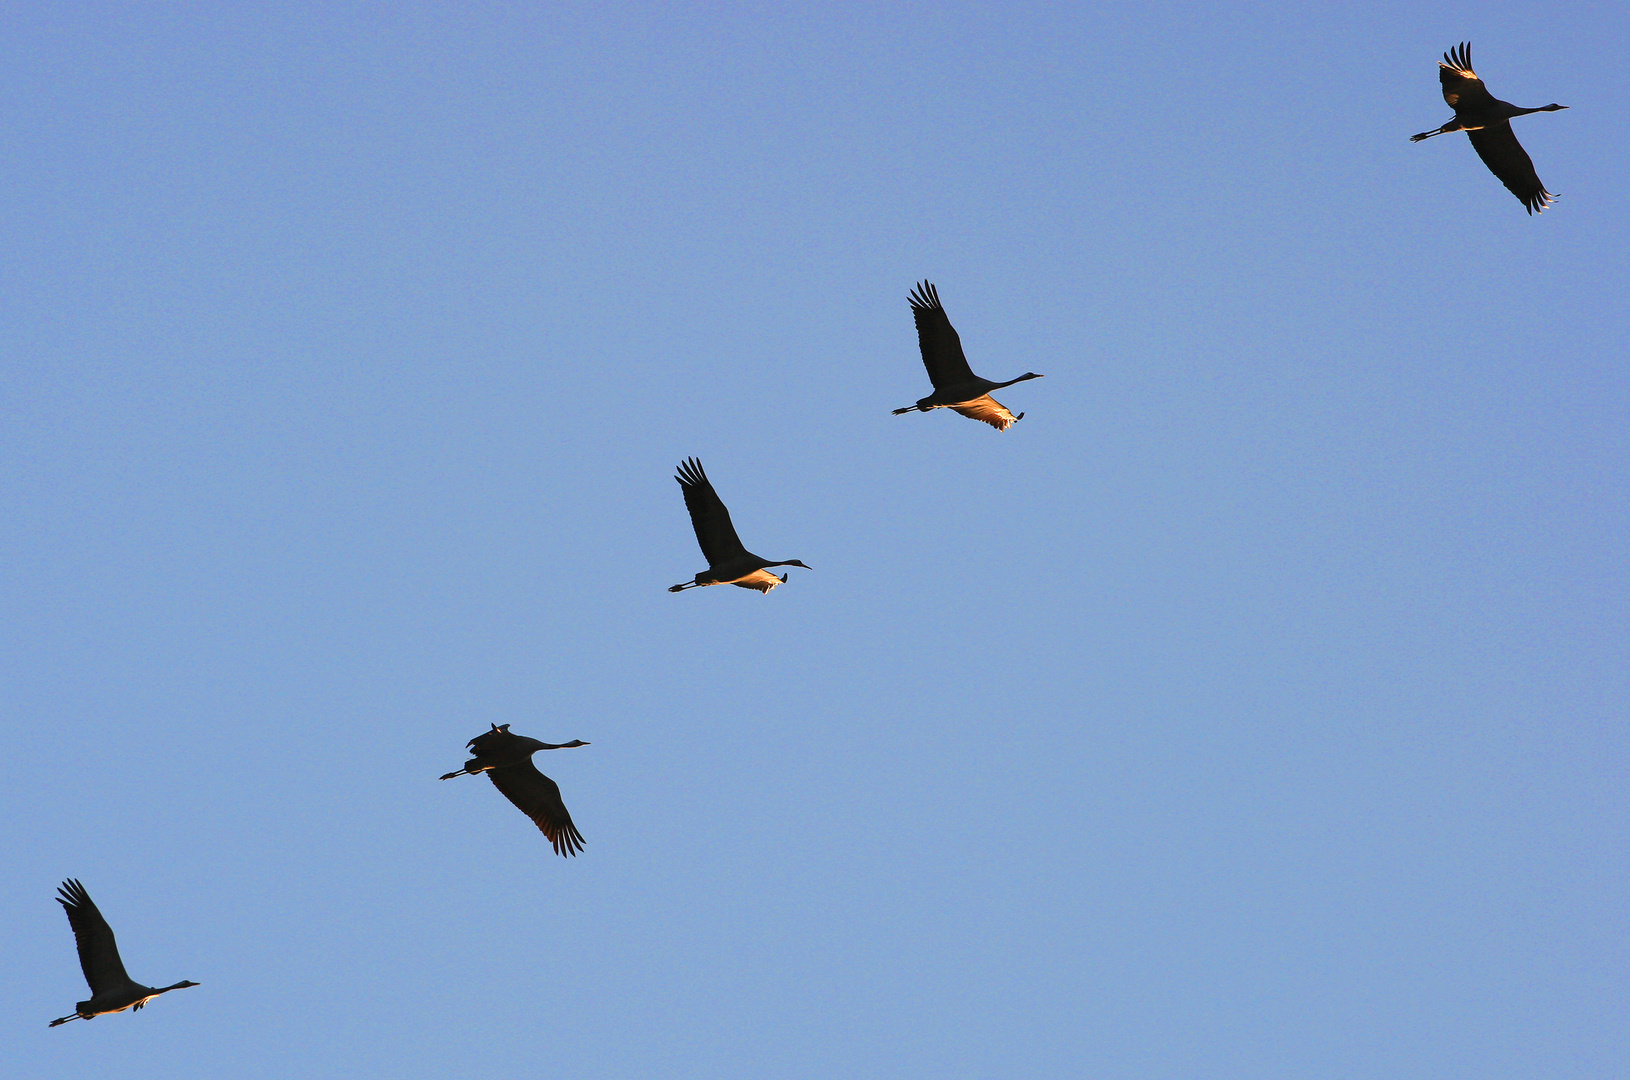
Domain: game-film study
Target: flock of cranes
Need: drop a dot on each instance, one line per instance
(506, 758)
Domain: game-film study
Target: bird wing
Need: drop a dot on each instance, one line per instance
(538, 797)
(762, 580)
(1462, 89)
(937, 338)
(493, 742)
(1497, 145)
(708, 515)
(98, 952)
(989, 410)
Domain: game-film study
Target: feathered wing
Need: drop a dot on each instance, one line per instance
(938, 340)
(1497, 145)
(708, 515)
(492, 743)
(989, 410)
(761, 580)
(1462, 89)
(98, 952)
(538, 797)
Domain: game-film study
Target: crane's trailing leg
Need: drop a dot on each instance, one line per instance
(909, 408)
(1447, 129)
(64, 1020)
(682, 588)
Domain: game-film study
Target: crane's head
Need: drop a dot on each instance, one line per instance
(793, 562)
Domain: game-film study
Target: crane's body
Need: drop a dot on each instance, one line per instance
(728, 560)
(1486, 120)
(956, 387)
(507, 760)
(112, 990)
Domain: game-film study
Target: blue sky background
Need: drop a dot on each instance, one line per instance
(1255, 708)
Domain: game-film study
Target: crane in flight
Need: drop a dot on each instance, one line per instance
(1486, 120)
(507, 760)
(728, 562)
(955, 385)
(111, 989)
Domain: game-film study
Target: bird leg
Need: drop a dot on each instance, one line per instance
(1448, 128)
(64, 1020)
(682, 588)
(461, 772)
(911, 408)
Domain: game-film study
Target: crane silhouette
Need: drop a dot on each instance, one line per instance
(111, 989)
(1486, 120)
(955, 384)
(728, 562)
(507, 760)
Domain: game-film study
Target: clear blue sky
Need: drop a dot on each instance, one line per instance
(1255, 708)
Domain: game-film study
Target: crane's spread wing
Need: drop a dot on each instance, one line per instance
(989, 410)
(762, 580)
(708, 515)
(1462, 89)
(538, 797)
(942, 349)
(98, 952)
(492, 743)
(1497, 145)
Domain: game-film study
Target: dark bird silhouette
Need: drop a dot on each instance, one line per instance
(1486, 120)
(955, 384)
(507, 761)
(728, 562)
(111, 989)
